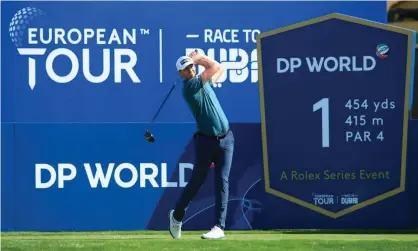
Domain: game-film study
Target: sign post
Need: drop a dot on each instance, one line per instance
(335, 93)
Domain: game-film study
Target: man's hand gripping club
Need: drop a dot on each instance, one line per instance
(213, 70)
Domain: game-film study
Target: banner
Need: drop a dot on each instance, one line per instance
(115, 61)
(81, 81)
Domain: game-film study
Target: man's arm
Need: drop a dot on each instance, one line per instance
(216, 76)
(212, 68)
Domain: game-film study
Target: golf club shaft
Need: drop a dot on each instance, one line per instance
(168, 95)
(161, 106)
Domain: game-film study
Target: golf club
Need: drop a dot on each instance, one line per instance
(148, 135)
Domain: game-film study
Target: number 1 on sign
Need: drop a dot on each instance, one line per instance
(323, 104)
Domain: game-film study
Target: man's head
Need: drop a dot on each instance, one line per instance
(185, 67)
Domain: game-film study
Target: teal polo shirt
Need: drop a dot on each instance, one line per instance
(204, 104)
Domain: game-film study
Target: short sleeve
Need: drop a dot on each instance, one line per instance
(194, 84)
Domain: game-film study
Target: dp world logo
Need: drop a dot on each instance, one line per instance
(382, 51)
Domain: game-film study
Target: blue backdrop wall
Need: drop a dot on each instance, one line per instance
(80, 82)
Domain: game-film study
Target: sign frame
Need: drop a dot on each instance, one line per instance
(406, 113)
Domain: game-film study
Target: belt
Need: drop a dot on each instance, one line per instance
(219, 137)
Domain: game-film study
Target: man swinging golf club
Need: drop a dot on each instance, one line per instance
(213, 141)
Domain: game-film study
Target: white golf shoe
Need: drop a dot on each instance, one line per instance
(214, 233)
(175, 226)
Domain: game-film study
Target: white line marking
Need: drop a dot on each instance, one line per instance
(161, 55)
(192, 35)
(234, 199)
(242, 203)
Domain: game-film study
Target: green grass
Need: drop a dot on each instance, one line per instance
(236, 240)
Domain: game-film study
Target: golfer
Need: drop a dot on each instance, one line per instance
(213, 141)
